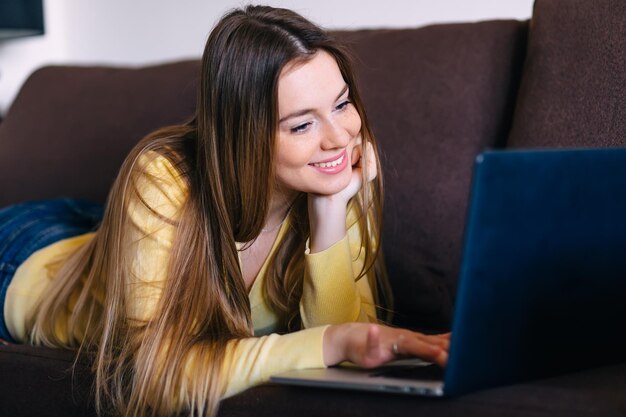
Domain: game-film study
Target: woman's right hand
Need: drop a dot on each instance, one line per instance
(370, 345)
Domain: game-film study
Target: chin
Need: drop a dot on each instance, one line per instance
(332, 188)
(321, 185)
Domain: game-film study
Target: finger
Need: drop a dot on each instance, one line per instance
(442, 342)
(372, 169)
(356, 155)
(371, 355)
(445, 336)
(396, 347)
(417, 347)
(442, 359)
(373, 341)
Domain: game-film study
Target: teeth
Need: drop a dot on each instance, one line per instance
(330, 164)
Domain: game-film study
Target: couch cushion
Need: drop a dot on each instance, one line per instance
(596, 392)
(70, 128)
(39, 381)
(435, 96)
(573, 92)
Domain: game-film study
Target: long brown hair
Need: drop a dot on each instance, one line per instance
(221, 156)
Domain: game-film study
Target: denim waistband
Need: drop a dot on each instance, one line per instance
(27, 227)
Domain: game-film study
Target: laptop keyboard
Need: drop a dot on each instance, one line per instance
(421, 372)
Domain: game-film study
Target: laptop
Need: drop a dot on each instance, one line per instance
(542, 285)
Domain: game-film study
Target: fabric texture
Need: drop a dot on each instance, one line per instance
(573, 93)
(80, 123)
(30, 283)
(28, 227)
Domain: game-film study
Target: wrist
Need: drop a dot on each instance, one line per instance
(335, 344)
(325, 205)
(327, 221)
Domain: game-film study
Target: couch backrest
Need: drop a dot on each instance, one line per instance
(69, 128)
(573, 92)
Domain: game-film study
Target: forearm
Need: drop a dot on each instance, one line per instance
(200, 372)
(327, 220)
(331, 294)
(252, 361)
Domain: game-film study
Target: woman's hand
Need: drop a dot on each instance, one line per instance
(360, 159)
(370, 345)
(327, 213)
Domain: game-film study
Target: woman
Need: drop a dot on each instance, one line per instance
(241, 244)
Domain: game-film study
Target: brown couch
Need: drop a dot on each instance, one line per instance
(436, 96)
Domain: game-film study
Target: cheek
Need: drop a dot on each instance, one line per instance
(353, 122)
(292, 154)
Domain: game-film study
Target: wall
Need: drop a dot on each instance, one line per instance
(138, 32)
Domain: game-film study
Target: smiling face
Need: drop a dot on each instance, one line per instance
(318, 127)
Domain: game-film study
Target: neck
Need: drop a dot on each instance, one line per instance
(279, 207)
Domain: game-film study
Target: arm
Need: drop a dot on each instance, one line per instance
(331, 293)
(252, 361)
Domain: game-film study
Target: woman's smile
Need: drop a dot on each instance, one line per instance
(332, 165)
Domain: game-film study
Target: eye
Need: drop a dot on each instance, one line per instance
(343, 105)
(300, 128)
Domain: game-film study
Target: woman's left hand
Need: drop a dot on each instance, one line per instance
(370, 345)
(362, 158)
(327, 213)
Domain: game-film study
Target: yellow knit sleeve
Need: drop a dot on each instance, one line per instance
(252, 361)
(331, 293)
(157, 196)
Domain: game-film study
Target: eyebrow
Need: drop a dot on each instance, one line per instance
(305, 111)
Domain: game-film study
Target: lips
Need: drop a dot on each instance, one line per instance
(332, 165)
(330, 162)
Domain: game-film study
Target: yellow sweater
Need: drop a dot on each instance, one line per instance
(330, 293)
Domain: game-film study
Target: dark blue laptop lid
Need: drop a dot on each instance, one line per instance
(542, 288)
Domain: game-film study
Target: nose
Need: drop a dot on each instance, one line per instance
(334, 136)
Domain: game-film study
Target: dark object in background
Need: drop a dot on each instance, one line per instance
(19, 18)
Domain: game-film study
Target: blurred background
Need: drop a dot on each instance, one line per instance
(142, 32)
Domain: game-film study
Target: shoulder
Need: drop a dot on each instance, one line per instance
(158, 181)
(154, 164)
(163, 160)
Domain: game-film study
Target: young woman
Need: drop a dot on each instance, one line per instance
(241, 244)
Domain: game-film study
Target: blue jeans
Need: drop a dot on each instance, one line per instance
(27, 227)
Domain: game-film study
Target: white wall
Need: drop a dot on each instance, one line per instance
(137, 32)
